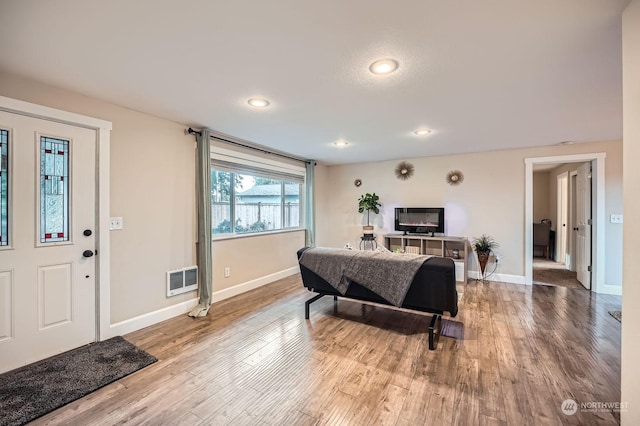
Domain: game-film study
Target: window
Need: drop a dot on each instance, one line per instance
(4, 187)
(54, 190)
(245, 203)
(251, 196)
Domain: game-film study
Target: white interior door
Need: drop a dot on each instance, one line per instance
(47, 267)
(573, 227)
(561, 228)
(583, 218)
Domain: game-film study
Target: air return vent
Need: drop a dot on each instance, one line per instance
(182, 280)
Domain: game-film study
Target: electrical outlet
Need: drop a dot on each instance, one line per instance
(227, 272)
(116, 223)
(616, 218)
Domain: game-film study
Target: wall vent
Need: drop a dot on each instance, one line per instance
(182, 280)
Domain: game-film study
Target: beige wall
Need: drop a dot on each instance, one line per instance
(631, 287)
(490, 200)
(152, 188)
(323, 200)
(254, 257)
(540, 196)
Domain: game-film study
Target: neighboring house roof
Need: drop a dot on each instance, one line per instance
(270, 190)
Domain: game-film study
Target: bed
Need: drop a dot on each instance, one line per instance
(431, 289)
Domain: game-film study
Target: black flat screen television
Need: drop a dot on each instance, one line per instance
(420, 220)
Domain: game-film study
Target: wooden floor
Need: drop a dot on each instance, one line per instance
(513, 354)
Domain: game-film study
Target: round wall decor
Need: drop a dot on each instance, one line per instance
(455, 177)
(404, 170)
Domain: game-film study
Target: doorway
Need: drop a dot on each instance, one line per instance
(554, 209)
(568, 255)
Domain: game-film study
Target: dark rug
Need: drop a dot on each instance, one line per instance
(557, 277)
(617, 315)
(39, 388)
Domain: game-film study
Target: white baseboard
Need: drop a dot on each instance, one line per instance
(505, 278)
(219, 295)
(615, 290)
(145, 320)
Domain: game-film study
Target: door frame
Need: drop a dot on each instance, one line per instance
(103, 141)
(598, 213)
(562, 215)
(572, 220)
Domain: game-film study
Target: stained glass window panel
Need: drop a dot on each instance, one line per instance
(54, 190)
(4, 187)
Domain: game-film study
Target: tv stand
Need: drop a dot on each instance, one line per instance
(436, 246)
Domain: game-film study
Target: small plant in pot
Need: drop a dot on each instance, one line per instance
(484, 246)
(369, 202)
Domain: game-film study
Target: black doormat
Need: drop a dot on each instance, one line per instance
(39, 388)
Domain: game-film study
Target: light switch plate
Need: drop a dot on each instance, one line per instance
(115, 223)
(616, 218)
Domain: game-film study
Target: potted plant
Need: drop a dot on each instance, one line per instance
(369, 202)
(483, 247)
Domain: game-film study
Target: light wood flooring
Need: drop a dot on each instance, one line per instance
(513, 354)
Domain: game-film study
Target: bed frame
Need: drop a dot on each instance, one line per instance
(433, 290)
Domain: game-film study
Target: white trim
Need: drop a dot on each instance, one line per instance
(224, 237)
(226, 293)
(150, 318)
(598, 201)
(39, 111)
(103, 237)
(103, 141)
(615, 290)
(236, 157)
(504, 278)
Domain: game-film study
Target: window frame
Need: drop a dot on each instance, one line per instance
(253, 163)
(38, 201)
(10, 187)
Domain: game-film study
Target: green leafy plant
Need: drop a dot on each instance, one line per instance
(369, 202)
(484, 245)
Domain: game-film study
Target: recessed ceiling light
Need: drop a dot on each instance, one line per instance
(422, 132)
(384, 66)
(258, 102)
(341, 143)
(566, 143)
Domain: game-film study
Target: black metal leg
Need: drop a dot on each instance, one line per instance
(435, 327)
(308, 302)
(335, 298)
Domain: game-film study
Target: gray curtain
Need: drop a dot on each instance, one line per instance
(310, 204)
(203, 196)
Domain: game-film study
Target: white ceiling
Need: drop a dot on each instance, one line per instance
(483, 74)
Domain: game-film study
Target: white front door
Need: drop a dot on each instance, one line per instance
(583, 217)
(47, 239)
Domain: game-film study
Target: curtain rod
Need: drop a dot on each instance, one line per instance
(264, 151)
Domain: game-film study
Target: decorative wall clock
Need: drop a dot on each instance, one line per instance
(455, 177)
(404, 170)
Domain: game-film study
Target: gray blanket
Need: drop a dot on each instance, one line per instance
(389, 275)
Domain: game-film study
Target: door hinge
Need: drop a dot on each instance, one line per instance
(589, 222)
(589, 268)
